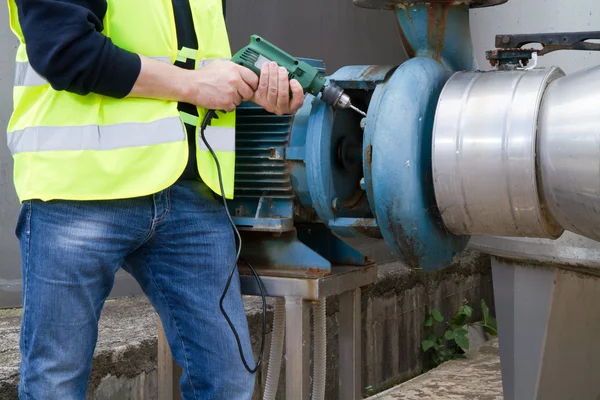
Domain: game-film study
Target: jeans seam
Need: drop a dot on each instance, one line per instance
(167, 209)
(26, 283)
(155, 221)
(148, 236)
(185, 353)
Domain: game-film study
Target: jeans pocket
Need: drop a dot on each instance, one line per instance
(22, 226)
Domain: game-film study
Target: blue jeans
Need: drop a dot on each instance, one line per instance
(178, 245)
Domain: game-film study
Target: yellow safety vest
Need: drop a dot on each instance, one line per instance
(94, 147)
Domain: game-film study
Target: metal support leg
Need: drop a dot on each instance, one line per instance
(297, 349)
(299, 293)
(548, 332)
(168, 371)
(349, 345)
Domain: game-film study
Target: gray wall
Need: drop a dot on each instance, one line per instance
(334, 31)
(534, 16)
(9, 256)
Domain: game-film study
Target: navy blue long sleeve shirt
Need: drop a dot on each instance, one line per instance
(66, 46)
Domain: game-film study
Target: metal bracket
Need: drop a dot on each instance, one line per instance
(510, 53)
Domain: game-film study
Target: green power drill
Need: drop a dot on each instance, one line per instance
(260, 51)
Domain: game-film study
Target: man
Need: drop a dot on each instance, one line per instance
(108, 178)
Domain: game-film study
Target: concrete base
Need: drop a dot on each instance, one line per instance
(475, 378)
(392, 312)
(547, 328)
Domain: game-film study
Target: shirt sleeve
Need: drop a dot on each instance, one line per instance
(66, 46)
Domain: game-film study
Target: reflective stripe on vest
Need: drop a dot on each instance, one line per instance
(25, 75)
(92, 137)
(219, 138)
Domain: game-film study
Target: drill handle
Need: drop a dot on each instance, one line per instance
(260, 51)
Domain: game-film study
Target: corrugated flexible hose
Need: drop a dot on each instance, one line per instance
(320, 350)
(276, 351)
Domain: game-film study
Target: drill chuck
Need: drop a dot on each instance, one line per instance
(334, 95)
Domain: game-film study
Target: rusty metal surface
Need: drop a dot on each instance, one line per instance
(551, 41)
(394, 4)
(341, 279)
(398, 179)
(437, 30)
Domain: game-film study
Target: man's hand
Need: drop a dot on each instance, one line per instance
(222, 85)
(273, 92)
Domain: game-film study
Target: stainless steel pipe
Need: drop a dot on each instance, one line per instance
(517, 153)
(569, 151)
(484, 154)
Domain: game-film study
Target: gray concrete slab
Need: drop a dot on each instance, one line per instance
(126, 343)
(475, 378)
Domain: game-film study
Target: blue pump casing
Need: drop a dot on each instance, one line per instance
(304, 183)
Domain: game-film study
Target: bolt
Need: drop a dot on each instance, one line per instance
(363, 123)
(505, 39)
(335, 203)
(362, 183)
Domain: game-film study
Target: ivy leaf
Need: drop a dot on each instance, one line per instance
(460, 332)
(437, 315)
(429, 321)
(484, 309)
(449, 335)
(459, 319)
(468, 311)
(427, 344)
(489, 322)
(462, 341)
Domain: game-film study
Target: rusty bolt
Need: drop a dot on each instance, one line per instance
(335, 203)
(363, 123)
(505, 39)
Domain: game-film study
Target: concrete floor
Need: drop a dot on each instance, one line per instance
(475, 378)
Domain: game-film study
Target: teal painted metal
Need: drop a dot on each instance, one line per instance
(397, 144)
(310, 173)
(440, 31)
(333, 160)
(397, 168)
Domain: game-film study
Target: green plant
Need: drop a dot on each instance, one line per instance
(452, 343)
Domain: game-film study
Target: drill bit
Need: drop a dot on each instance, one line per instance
(357, 110)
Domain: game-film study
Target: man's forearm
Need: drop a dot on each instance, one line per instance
(159, 80)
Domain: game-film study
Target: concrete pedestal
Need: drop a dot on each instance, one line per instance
(546, 297)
